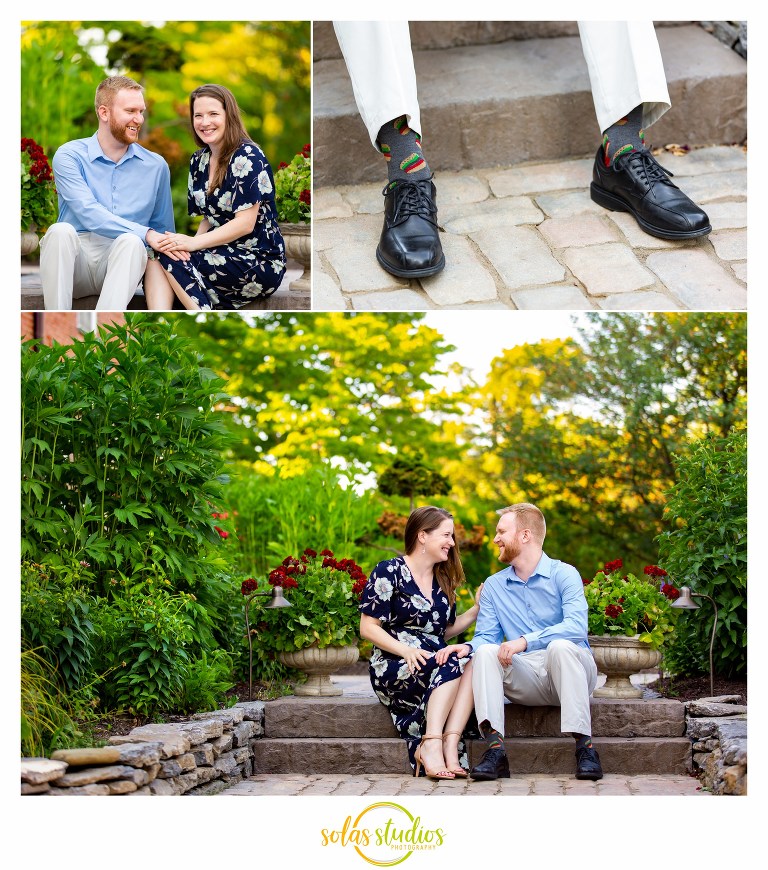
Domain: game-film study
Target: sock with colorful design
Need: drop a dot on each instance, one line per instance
(624, 136)
(401, 148)
(493, 739)
(583, 741)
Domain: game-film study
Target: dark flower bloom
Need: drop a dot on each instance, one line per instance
(585, 582)
(613, 610)
(309, 552)
(249, 586)
(305, 196)
(326, 553)
(277, 577)
(671, 592)
(221, 532)
(610, 567)
(654, 571)
(282, 164)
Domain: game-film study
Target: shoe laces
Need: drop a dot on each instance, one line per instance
(646, 164)
(413, 199)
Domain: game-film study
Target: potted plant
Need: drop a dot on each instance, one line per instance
(318, 633)
(629, 620)
(39, 204)
(293, 199)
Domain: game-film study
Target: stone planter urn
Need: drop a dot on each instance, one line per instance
(618, 658)
(29, 241)
(318, 664)
(298, 247)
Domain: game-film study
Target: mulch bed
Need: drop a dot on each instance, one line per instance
(693, 688)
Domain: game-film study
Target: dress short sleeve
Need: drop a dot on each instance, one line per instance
(376, 600)
(251, 176)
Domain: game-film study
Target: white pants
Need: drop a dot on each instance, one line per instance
(563, 674)
(76, 264)
(623, 59)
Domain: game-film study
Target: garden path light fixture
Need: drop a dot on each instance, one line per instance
(686, 602)
(277, 600)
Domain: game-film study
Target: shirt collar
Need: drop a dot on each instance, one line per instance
(543, 569)
(95, 150)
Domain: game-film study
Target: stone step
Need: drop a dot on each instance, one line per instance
(501, 104)
(350, 755)
(366, 718)
(450, 34)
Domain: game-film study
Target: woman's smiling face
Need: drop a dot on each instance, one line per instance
(209, 120)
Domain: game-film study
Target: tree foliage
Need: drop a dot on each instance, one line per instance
(354, 389)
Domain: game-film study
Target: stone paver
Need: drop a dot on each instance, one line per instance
(400, 786)
(529, 237)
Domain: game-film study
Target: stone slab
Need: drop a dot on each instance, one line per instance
(519, 256)
(139, 754)
(698, 280)
(544, 755)
(607, 269)
(551, 299)
(493, 214)
(464, 279)
(37, 771)
(713, 708)
(472, 116)
(391, 300)
(293, 717)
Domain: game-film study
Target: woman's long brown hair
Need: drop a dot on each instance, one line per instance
(449, 574)
(234, 131)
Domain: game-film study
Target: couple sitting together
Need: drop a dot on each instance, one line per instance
(116, 227)
(530, 644)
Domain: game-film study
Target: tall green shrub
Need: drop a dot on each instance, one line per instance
(122, 456)
(705, 547)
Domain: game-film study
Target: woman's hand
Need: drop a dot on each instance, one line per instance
(415, 657)
(460, 650)
(173, 243)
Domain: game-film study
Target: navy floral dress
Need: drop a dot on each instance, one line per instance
(392, 596)
(228, 276)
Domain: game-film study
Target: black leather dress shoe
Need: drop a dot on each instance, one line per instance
(638, 184)
(588, 764)
(410, 246)
(493, 765)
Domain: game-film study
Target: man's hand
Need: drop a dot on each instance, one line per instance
(510, 648)
(155, 239)
(173, 243)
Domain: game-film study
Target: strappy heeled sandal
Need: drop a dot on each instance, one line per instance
(431, 774)
(456, 771)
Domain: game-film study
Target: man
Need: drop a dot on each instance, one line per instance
(629, 91)
(114, 200)
(530, 643)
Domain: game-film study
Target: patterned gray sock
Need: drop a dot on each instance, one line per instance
(401, 148)
(624, 136)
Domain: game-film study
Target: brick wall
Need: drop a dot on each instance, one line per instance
(64, 326)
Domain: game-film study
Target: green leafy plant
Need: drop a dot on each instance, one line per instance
(705, 544)
(123, 456)
(144, 635)
(324, 593)
(624, 604)
(39, 204)
(55, 618)
(293, 189)
(206, 682)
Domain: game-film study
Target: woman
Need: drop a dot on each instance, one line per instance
(237, 253)
(408, 611)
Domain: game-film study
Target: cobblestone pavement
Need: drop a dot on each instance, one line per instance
(530, 237)
(294, 784)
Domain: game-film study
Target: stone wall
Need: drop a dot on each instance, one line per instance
(718, 729)
(200, 756)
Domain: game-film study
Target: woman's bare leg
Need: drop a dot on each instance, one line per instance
(157, 290)
(458, 716)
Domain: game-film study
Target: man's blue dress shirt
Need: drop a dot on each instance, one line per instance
(99, 196)
(550, 605)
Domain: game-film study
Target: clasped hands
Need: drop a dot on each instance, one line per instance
(176, 245)
(416, 657)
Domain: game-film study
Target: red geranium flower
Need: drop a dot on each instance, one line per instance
(654, 571)
(613, 610)
(221, 532)
(249, 586)
(310, 552)
(610, 567)
(305, 196)
(671, 592)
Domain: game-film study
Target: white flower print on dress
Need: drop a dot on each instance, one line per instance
(199, 198)
(241, 166)
(225, 201)
(420, 603)
(214, 259)
(414, 730)
(383, 588)
(404, 672)
(265, 185)
(408, 639)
